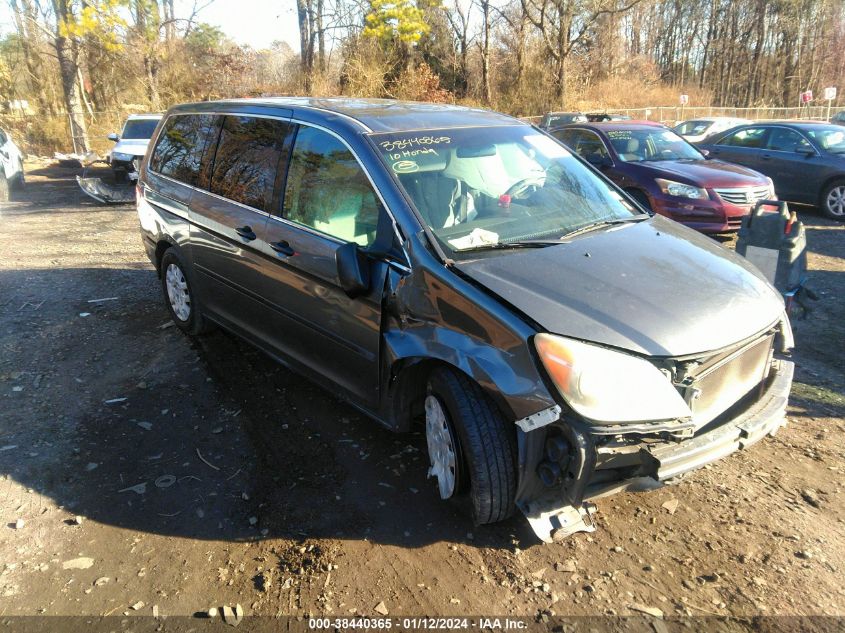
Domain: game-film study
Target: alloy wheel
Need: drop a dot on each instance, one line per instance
(441, 447)
(836, 201)
(177, 292)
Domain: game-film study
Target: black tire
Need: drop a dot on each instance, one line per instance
(641, 198)
(194, 323)
(120, 175)
(20, 178)
(4, 187)
(828, 200)
(486, 446)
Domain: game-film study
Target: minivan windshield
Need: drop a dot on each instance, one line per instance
(499, 187)
(139, 129)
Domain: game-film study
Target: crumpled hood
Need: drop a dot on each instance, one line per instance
(135, 147)
(653, 287)
(704, 173)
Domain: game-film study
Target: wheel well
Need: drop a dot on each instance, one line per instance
(828, 182)
(161, 247)
(408, 387)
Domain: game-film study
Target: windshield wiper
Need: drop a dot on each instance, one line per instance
(509, 245)
(596, 225)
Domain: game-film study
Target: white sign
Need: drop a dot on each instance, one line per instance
(830, 93)
(684, 99)
(807, 96)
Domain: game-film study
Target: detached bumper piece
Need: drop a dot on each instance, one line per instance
(107, 194)
(553, 523)
(762, 418)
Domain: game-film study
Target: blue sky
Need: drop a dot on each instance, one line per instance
(254, 22)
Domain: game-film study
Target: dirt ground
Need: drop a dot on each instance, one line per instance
(203, 474)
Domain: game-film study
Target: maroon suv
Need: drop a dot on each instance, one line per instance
(667, 175)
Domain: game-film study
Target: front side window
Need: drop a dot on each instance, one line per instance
(783, 139)
(497, 187)
(651, 144)
(585, 143)
(247, 159)
(751, 137)
(139, 129)
(180, 145)
(327, 190)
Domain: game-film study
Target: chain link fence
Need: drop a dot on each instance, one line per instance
(670, 115)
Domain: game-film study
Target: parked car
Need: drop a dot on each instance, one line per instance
(696, 130)
(806, 160)
(460, 268)
(555, 119)
(838, 118)
(11, 166)
(667, 175)
(598, 117)
(131, 145)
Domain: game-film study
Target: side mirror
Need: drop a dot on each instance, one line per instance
(704, 152)
(353, 270)
(113, 137)
(809, 152)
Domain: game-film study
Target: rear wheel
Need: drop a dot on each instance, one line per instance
(179, 295)
(832, 200)
(472, 449)
(4, 187)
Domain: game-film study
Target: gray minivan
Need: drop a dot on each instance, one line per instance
(460, 268)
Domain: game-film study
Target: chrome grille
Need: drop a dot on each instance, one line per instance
(744, 195)
(720, 386)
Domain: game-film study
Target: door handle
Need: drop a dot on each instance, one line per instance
(246, 232)
(766, 156)
(282, 247)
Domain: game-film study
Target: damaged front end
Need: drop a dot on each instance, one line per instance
(734, 398)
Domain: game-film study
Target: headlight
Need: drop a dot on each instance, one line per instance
(607, 386)
(126, 158)
(680, 190)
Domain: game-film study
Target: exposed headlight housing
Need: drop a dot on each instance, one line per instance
(680, 189)
(606, 386)
(126, 158)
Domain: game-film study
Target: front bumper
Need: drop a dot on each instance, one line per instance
(762, 418)
(706, 216)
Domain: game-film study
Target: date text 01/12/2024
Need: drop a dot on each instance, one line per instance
(410, 623)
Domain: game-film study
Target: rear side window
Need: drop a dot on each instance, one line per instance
(180, 145)
(247, 159)
(328, 190)
(752, 137)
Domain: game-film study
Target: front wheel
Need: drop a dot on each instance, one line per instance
(832, 200)
(472, 449)
(20, 178)
(179, 295)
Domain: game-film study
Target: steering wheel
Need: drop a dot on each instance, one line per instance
(520, 187)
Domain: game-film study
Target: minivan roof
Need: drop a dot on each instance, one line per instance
(378, 115)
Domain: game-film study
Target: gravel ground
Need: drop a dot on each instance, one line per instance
(144, 472)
